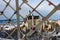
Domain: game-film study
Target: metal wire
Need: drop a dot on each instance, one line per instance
(18, 15)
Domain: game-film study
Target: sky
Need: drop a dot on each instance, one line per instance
(44, 8)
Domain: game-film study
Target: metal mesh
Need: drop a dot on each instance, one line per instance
(9, 12)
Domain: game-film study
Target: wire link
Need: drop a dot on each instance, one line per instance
(30, 12)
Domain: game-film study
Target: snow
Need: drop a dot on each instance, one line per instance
(9, 27)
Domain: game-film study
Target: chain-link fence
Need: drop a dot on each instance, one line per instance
(15, 12)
